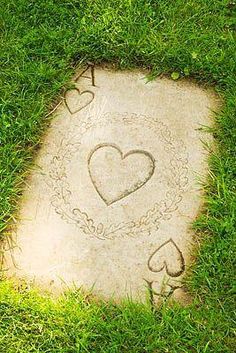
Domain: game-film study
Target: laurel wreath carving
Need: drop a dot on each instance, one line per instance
(163, 210)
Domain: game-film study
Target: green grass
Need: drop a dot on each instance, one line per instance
(41, 43)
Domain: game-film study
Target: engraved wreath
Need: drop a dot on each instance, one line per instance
(150, 220)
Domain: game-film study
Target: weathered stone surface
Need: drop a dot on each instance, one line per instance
(115, 188)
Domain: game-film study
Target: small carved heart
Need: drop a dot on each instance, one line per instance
(167, 256)
(76, 100)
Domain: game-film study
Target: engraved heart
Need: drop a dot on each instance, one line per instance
(116, 175)
(167, 256)
(76, 100)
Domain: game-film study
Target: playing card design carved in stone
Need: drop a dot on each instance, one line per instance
(111, 205)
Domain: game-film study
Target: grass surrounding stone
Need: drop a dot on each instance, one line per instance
(41, 43)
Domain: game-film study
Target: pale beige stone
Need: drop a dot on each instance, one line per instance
(115, 188)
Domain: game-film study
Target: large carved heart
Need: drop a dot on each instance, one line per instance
(167, 256)
(76, 100)
(116, 175)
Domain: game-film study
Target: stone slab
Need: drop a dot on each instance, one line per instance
(110, 202)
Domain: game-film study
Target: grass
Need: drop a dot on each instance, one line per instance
(41, 43)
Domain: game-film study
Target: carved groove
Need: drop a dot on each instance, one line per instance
(179, 259)
(136, 186)
(80, 94)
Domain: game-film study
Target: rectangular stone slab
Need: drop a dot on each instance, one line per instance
(115, 189)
